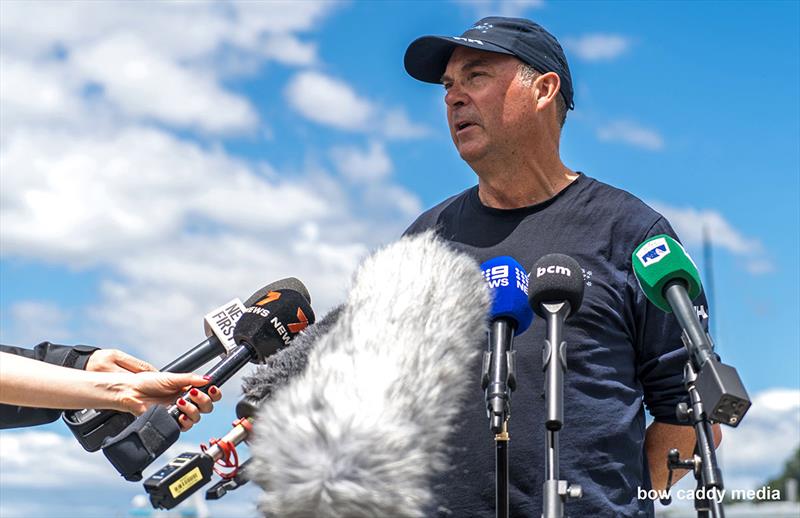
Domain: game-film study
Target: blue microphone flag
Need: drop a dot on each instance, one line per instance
(508, 282)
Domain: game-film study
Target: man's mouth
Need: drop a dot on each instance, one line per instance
(463, 125)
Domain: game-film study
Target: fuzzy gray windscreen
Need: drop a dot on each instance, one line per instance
(361, 431)
(284, 365)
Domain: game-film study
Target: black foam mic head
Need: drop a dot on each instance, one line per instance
(289, 283)
(273, 321)
(556, 278)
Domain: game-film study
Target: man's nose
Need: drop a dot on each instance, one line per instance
(455, 97)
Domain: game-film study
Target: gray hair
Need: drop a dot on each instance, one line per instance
(527, 75)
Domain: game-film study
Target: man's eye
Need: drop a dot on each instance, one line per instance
(447, 86)
(475, 74)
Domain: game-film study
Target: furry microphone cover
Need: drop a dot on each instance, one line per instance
(363, 429)
(281, 367)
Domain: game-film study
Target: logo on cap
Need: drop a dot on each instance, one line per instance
(468, 40)
(653, 252)
(483, 27)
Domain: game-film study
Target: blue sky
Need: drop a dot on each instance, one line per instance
(158, 159)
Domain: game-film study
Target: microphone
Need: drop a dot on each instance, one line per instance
(193, 470)
(556, 294)
(283, 366)
(510, 316)
(263, 329)
(361, 432)
(670, 280)
(219, 324)
(91, 427)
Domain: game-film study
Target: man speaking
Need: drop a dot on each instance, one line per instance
(508, 89)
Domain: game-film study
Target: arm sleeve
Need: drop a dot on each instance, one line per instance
(66, 356)
(661, 355)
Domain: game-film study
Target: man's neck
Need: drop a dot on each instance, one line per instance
(511, 184)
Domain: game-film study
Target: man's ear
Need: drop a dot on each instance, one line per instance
(546, 87)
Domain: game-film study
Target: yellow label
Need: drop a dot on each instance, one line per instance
(185, 482)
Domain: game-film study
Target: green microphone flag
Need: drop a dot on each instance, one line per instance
(662, 259)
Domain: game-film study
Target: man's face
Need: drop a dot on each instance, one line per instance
(488, 108)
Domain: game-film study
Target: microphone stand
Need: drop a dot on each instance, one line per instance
(501, 461)
(716, 394)
(499, 380)
(555, 491)
(703, 463)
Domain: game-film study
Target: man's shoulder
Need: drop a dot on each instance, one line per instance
(431, 218)
(621, 205)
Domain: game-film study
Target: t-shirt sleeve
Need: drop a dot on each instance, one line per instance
(661, 355)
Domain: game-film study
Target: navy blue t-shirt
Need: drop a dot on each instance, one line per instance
(623, 355)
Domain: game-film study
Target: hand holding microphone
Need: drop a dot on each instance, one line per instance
(92, 427)
(263, 329)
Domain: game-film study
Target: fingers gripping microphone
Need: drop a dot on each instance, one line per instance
(510, 316)
(91, 427)
(670, 280)
(360, 432)
(265, 328)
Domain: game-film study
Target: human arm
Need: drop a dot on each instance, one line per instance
(114, 360)
(32, 383)
(662, 437)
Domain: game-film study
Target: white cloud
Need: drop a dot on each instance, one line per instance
(137, 78)
(690, 223)
(44, 92)
(181, 229)
(171, 227)
(85, 198)
(631, 133)
(597, 47)
(288, 49)
(396, 124)
(160, 61)
(181, 30)
(759, 266)
(329, 101)
(357, 165)
(31, 321)
(513, 8)
(766, 438)
(333, 102)
(21, 455)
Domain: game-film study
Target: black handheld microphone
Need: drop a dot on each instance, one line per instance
(91, 427)
(265, 328)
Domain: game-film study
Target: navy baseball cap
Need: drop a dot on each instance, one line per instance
(426, 58)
